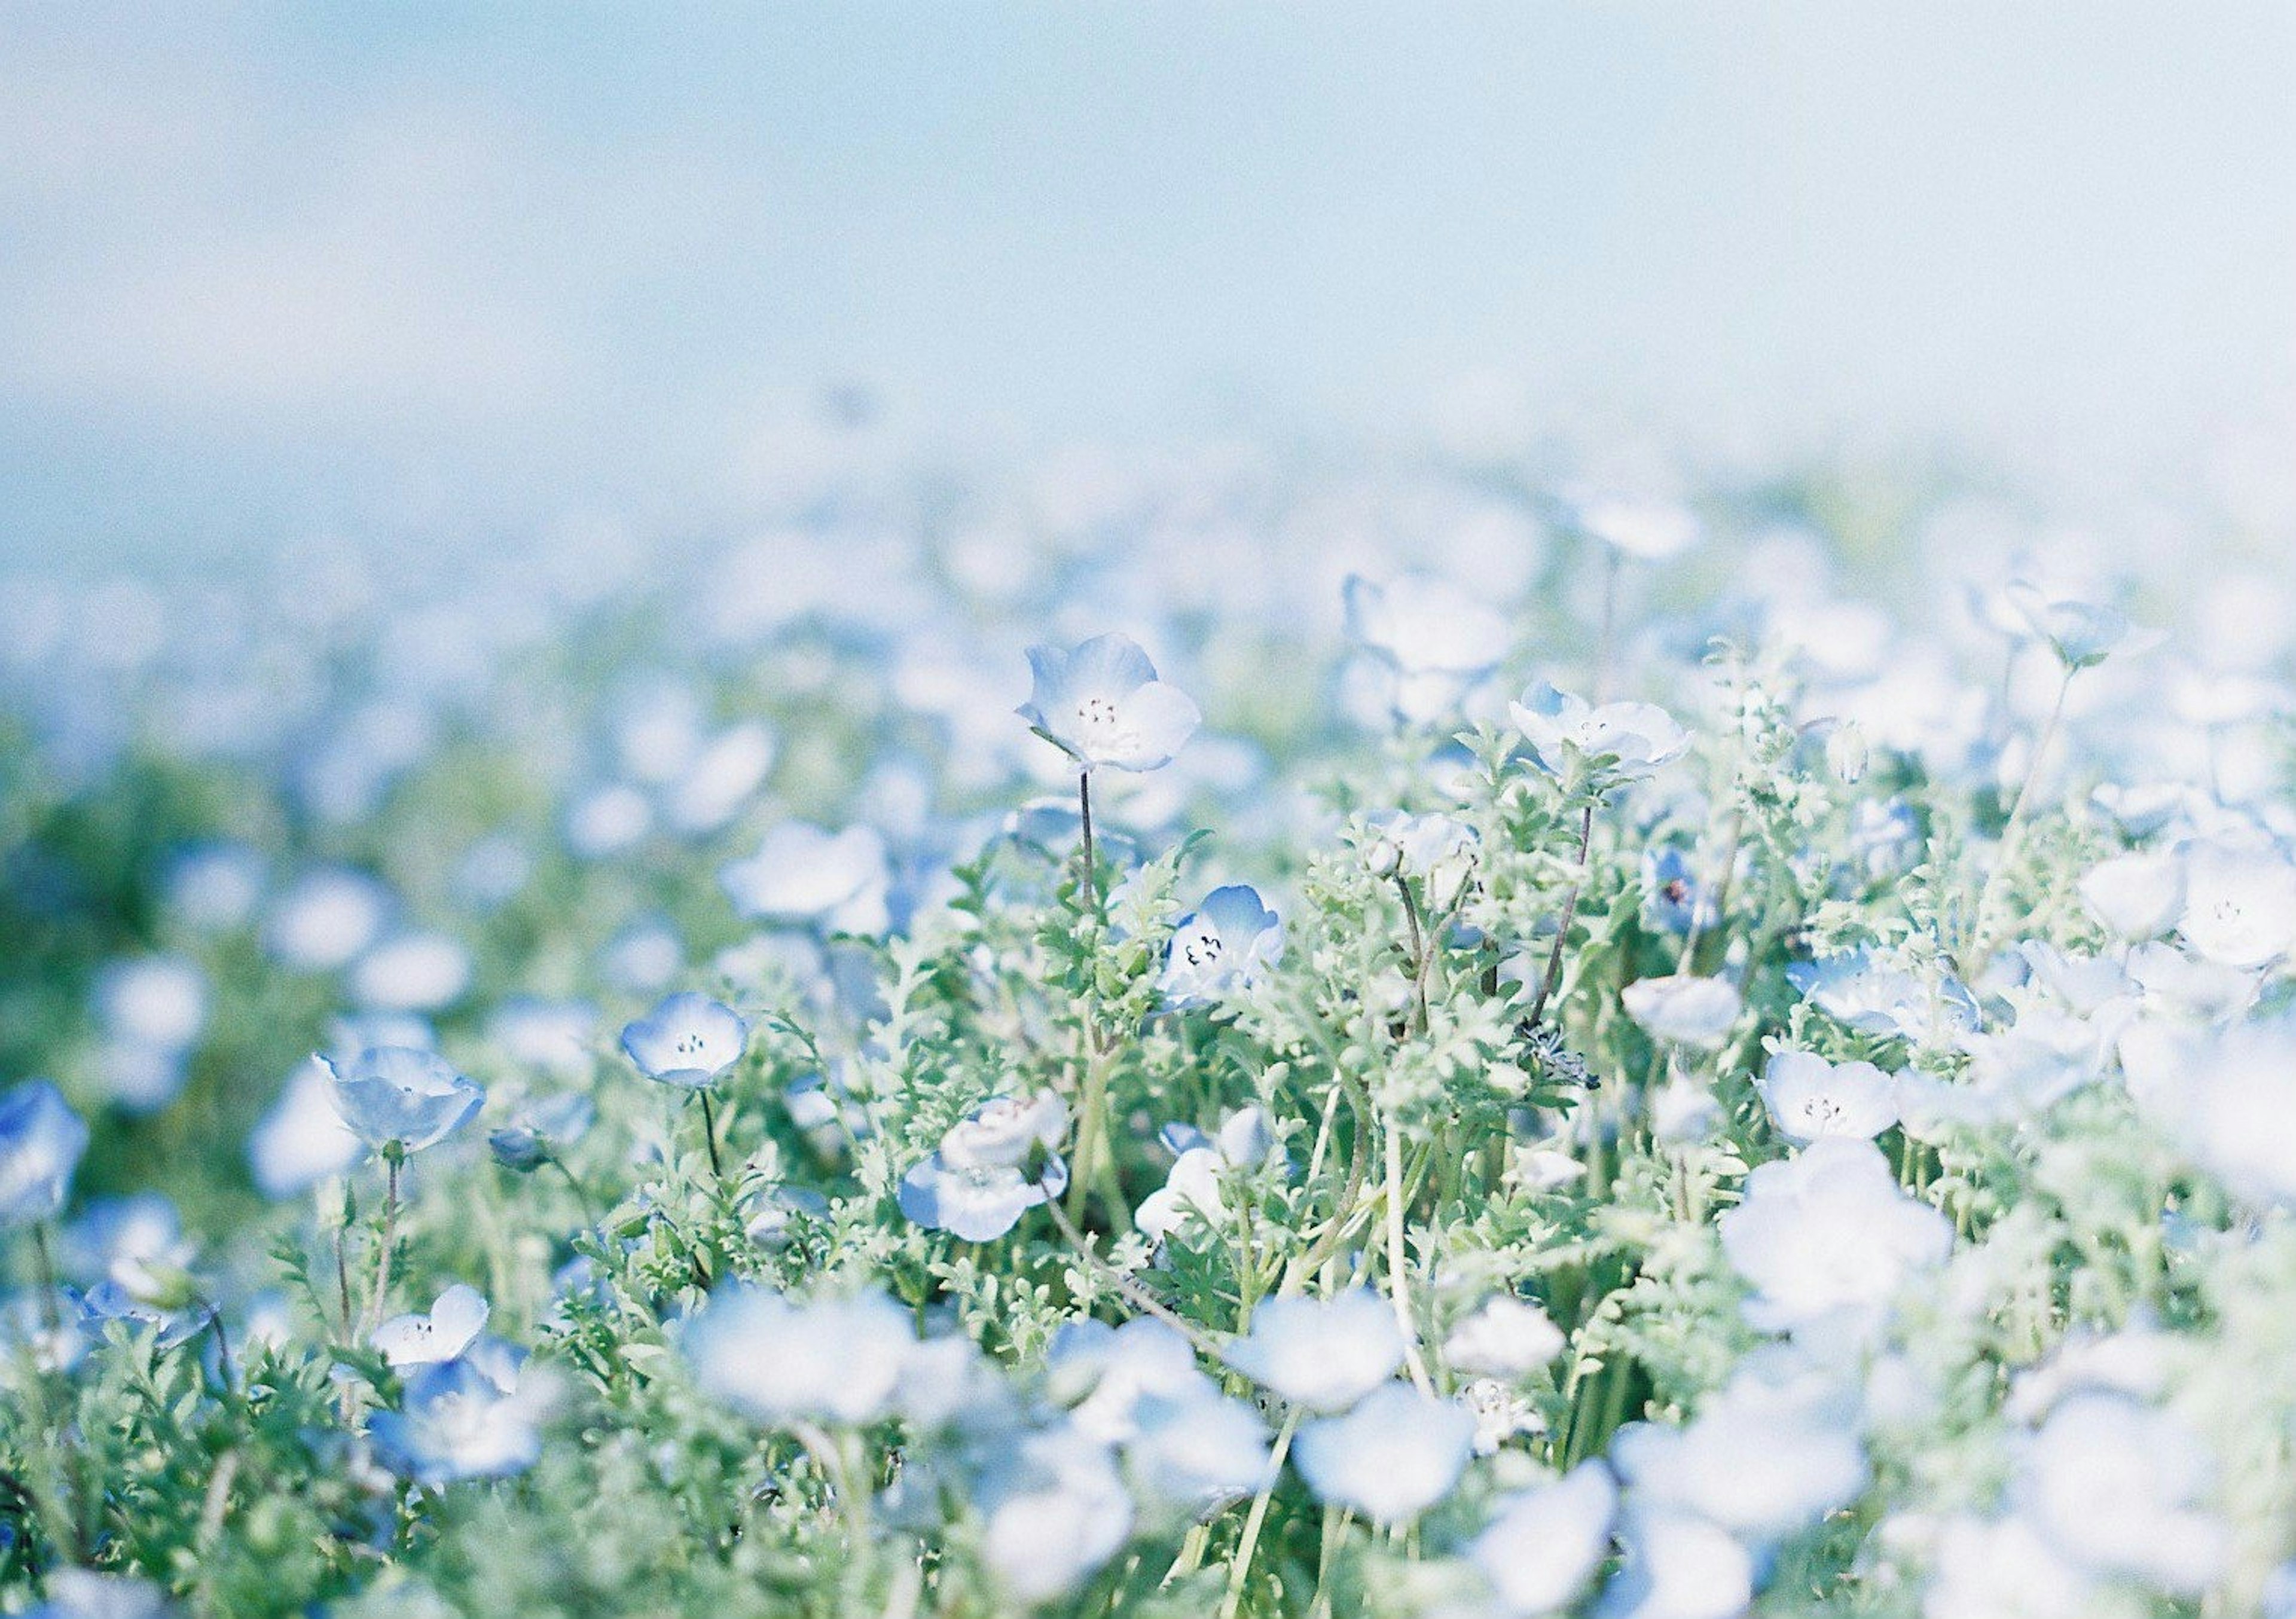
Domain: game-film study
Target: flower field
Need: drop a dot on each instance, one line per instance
(1199, 1034)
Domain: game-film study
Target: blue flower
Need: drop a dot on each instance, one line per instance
(41, 1140)
(1101, 703)
(478, 1416)
(993, 1165)
(1874, 998)
(1628, 740)
(1435, 640)
(172, 1321)
(541, 1127)
(1390, 1458)
(1325, 1354)
(687, 1040)
(455, 1319)
(398, 1098)
(80, 1593)
(1674, 901)
(1223, 946)
(829, 1359)
(803, 875)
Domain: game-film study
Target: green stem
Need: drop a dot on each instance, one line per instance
(1398, 1266)
(1240, 1569)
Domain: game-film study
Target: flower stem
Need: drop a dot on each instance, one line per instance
(1552, 976)
(1398, 1266)
(709, 1135)
(45, 1259)
(2013, 830)
(391, 1161)
(1091, 862)
(1240, 1569)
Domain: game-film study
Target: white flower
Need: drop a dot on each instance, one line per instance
(834, 1359)
(2136, 895)
(2114, 1488)
(1435, 640)
(2236, 1107)
(456, 1317)
(1325, 1354)
(2003, 1569)
(1683, 1009)
(1391, 1458)
(1506, 1338)
(2079, 633)
(2240, 902)
(804, 875)
(1101, 703)
(1195, 1454)
(1651, 529)
(1827, 1232)
(1636, 738)
(1056, 1510)
(1541, 1546)
(1677, 1566)
(1809, 1097)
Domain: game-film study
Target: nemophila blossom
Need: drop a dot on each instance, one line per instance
(1191, 1189)
(1626, 740)
(992, 1166)
(1438, 850)
(1054, 1509)
(477, 1415)
(1770, 1453)
(2082, 634)
(541, 1128)
(688, 1041)
(1674, 898)
(1677, 1566)
(1102, 705)
(1192, 1455)
(1683, 1009)
(1505, 1337)
(2137, 896)
(84, 1593)
(325, 918)
(1322, 1353)
(2117, 1488)
(803, 875)
(1394, 1455)
(1650, 529)
(1434, 639)
(1223, 947)
(398, 1098)
(303, 1139)
(777, 1360)
(1829, 1236)
(2239, 902)
(456, 1318)
(1102, 1373)
(1859, 989)
(1501, 1413)
(174, 1314)
(2230, 1096)
(553, 1036)
(41, 1140)
(1542, 1545)
(1808, 1096)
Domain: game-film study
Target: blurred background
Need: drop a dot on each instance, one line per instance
(292, 275)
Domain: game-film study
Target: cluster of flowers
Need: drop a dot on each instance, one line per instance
(1817, 1134)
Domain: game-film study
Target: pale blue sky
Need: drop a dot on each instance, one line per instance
(277, 270)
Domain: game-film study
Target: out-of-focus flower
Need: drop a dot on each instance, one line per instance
(687, 1040)
(2115, 1488)
(1392, 1457)
(41, 1140)
(1191, 1190)
(1505, 1337)
(803, 875)
(399, 1099)
(1221, 948)
(1650, 529)
(1102, 705)
(1858, 989)
(1809, 1097)
(1434, 639)
(1626, 740)
(540, 1129)
(303, 1139)
(1541, 1545)
(2079, 633)
(1683, 1009)
(830, 1360)
(83, 1593)
(1322, 1353)
(1439, 850)
(1677, 1566)
(1056, 1510)
(1829, 1231)
(2136, 895)
(478, 1416)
